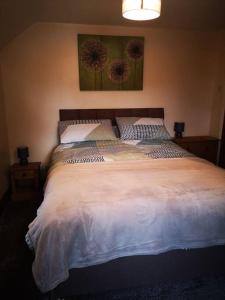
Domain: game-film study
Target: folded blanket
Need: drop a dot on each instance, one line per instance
(100, 151)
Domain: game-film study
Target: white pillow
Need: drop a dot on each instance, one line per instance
(87, 132)
(149, 121)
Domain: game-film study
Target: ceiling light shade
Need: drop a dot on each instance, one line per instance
(141, 10)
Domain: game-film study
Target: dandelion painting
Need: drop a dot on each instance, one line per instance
(108, 63)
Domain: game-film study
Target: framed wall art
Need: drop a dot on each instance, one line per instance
(108, 63)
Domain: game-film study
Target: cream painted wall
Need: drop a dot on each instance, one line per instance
(40, 75)
(4, 150)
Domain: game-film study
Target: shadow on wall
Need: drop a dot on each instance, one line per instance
(4, 147)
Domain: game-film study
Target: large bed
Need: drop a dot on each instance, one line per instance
(126, 213)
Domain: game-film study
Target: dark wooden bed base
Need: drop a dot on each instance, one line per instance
(142, 270)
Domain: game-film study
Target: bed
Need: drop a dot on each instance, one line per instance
(95, 231)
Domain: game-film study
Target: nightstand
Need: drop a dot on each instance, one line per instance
(203, 146)
(25, 181)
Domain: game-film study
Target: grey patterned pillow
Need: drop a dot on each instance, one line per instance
(142, 129)
(85, 130)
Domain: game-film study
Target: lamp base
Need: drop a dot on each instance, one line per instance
(178, 135)
(23, 161)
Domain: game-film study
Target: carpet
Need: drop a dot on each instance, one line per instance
(198, 289)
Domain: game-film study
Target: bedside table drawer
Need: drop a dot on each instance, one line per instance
(25, 181)
(207, 150)
(204, 147)
(196, 148)
(26, 174)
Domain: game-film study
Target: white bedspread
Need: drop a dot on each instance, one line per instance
(93, 213)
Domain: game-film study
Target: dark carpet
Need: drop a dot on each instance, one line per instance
(198, 289)
(16, 281)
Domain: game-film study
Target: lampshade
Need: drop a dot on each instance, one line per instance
(141, 10)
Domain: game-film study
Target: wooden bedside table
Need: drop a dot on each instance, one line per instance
(203, 146)
(25, 181)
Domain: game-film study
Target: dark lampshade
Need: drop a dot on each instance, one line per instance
(179, 129)
(23, 154)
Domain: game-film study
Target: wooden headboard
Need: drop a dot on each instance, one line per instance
(108, 113)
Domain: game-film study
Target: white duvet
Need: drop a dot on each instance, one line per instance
(93, 213)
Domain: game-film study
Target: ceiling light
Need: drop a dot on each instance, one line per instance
(141, 10)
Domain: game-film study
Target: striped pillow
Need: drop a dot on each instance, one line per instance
(85, 130)
(133, 128)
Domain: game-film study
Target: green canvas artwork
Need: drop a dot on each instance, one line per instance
(110, 63)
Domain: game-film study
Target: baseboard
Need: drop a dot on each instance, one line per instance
(4, 200)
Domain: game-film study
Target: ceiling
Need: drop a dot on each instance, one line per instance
(16, 16)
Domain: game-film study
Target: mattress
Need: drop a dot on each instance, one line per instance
(110, 199)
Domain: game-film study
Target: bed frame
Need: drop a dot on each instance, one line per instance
(143, 270)
(107, 113)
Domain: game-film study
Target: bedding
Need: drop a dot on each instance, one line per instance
(85, 130)
(110, 199)
(100, 151)
(134, 128)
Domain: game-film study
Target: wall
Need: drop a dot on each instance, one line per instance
(218, 105)
(4, 151)
(40, 72)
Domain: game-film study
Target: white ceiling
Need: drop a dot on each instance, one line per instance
(17, 15)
